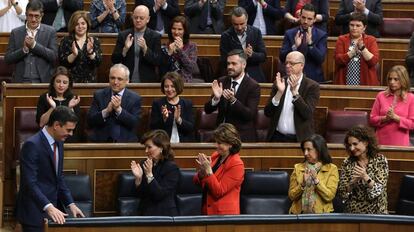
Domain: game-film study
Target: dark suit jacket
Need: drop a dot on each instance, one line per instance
(50, 8)
(167, 14)
(304, 107)
(314, 55)
(39, 183)
(158, 197)
(322, 7)
(230, 41)
(374, 17)
(185, 130)
(272, 13)
(409, 60)
(45, 52)
(148, 62)
(242, 114)
(127, 120)
(193, 11)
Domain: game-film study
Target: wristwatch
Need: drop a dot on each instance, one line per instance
(296, 97)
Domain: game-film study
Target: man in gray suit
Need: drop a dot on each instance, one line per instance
(32, 48)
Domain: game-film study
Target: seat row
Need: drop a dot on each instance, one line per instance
(262, 192)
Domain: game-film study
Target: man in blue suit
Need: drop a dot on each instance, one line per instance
(115, 111)
(43, 192)
(308, 40)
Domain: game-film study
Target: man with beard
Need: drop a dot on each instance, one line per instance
(292, 103)
(236, 97)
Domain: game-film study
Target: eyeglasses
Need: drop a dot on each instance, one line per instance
(35, 16)
(292, 63)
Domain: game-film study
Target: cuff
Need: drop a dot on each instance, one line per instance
(366, 11)
(47, 206)
(274, 101)
(164, 7)
(214, 102)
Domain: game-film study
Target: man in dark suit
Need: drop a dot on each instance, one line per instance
(236, 97)
(139, 48)
(161, 14)
(292, 103)
(115, 110)
(205, 16)
(263, 14)
(58, 12)
(371, 8)
(43, 192)
(308, 40)
(32, 48)
(247, 38)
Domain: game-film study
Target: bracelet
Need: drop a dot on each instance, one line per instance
(90, 53)
(114, 12)
(362, 48)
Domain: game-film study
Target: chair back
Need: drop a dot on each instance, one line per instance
(405, 205)
(80, 187)
(339, 122)
(189, 195)
(128, 201)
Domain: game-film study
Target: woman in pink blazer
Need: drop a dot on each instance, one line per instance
(221, 176)
(393, 111)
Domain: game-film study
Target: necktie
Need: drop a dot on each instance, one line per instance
(55, 161)
(233, 86)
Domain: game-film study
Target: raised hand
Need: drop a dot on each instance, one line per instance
(128, 41)
(165, 112)
(29, 41)
(248, 50)
(177, 114)
(298, 39)
(136, 170)
(217, 89)
(75, 51)
(280, 83)
(171, 48)
(179, 43)
(74, 101)
(293, 82)
(50, 100)
(148, 167)
(229, 95)
(89, 45)
(309, 36)
(204, 164)
(116, 102)
(142, 44)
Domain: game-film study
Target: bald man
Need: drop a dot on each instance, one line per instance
(139, 48)
(292, 103)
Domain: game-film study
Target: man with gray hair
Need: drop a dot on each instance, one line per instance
(292, 103)
(115, 110)
(247, 38)
(236, 97)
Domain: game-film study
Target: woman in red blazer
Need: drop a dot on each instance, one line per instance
(221, 176)
(356, 44)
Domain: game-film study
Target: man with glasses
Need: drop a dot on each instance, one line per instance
(139, 48)
(292, 103)
(32, 48)
(309, 40)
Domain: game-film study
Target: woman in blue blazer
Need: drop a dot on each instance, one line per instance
(173, 113)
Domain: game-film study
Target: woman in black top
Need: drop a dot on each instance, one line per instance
(59, 94)
(78, 51)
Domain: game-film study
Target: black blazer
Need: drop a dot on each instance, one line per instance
(148, 62)
(230, 41)
(185, 130)
(50, 8)
(158, 197)
(304, 107)
(128, 119)
(167, 14)
(272, 13)
(322, 7)
(242, 114)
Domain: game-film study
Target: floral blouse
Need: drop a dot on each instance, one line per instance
(83, 69)
(362, 199)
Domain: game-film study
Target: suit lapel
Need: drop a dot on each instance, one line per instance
(48, 150)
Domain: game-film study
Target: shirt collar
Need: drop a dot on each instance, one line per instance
(120, 93)
(35, 30)
(239, 81)
(49, 138)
